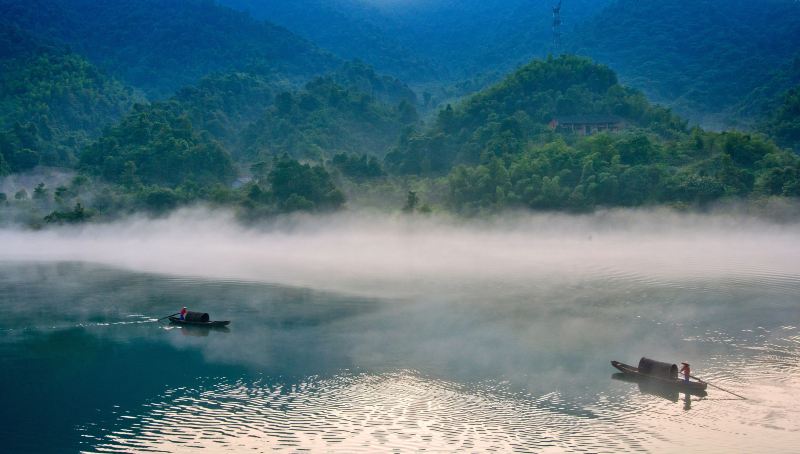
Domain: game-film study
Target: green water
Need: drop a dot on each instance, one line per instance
(85, 367)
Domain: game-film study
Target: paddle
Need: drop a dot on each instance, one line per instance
(168, 316)
(719, 388)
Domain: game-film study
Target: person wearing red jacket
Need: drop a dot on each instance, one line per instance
(685, 371)
(183, 313)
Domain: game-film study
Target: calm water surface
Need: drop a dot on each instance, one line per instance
(86, 367)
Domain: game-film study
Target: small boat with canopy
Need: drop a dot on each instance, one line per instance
(198, 319)
(657, 372)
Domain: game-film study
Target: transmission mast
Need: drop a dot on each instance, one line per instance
(557, 28)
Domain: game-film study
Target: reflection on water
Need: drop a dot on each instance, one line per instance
(83, 356)
(668, 392)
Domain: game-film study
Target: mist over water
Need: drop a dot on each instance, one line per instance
(354, 333)
(407, 257)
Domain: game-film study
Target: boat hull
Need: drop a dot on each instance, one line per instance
(633, 372)
(215, 324)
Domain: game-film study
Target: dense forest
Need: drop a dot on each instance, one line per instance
(52, 102)
(502, 119)
(499, 151)
(424, 41)
(784, 123)
(324, 119)
(192, 102)
(160, 46)
(700, 57)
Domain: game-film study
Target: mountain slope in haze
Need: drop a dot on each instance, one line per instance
(348, 29)
(163, 45)
(503, 118)
(784, 123)
(499, 153)
(763, 102)
(427, 40)
(326, 119)
(52, 102)
(701, 57)
(236, 109)
(202, 133)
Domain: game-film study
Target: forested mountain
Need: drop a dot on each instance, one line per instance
(357, 76)
(52, 102)
(253, 117)
(426, 40)
(193, 145)
(501, 120)
(158, 103)
(326, 119)
(764, 101)
(348, 28)
(701, 57)
(509, 157)
(155, 146)
(163, 45)
(784, 123)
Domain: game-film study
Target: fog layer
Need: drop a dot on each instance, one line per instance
(410, 257)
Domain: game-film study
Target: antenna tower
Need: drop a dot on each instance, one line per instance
(557, 28)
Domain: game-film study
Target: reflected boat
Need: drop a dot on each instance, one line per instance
(202, 331)
(654, 388)
(215, 324)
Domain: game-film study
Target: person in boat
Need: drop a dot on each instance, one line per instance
(183, 313)
(686, 371)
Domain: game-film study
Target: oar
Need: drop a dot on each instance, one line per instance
(168, 316)
(719, 388)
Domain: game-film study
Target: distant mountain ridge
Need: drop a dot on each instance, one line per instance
(160, 46)
(498, 151)
(701, 57)
(431, 40)
(502, 119)
(52, 102)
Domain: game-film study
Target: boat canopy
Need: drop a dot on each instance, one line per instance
(202, 317)
(654, 368)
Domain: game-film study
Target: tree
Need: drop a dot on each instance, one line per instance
(77, 215)
(297, 186)
(40, 193)
(411, 202)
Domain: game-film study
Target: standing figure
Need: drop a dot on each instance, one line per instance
(183, 314)
(686, 372)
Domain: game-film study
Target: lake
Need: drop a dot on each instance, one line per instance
(86, 367)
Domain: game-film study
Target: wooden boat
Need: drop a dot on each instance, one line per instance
(210, 324)
(197, 319)
(665, 375)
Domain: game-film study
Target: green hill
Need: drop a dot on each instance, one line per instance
(253, 117)
(426, 41)
(784, 123)
(193, 145)
(163, 45)
(325, 119)
(700, 57)
(501, 120)
(52, 102)
(155, 146)
(499, 152)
